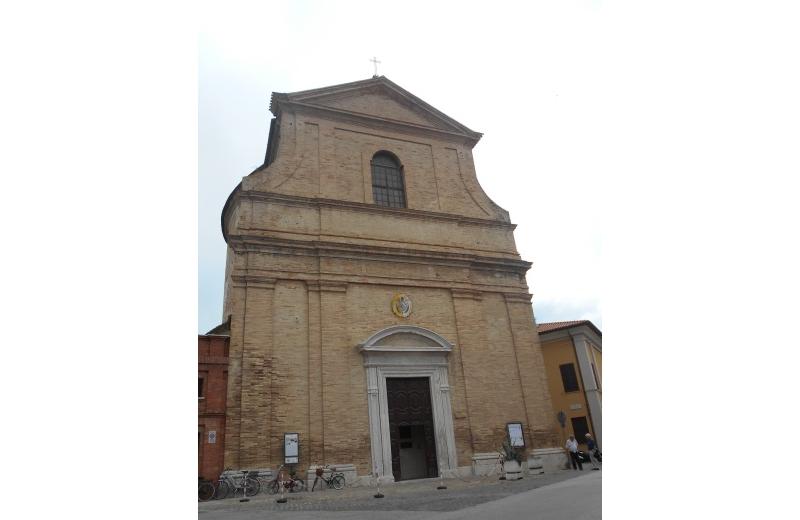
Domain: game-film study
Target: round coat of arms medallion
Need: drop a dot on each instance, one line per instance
(401, 305)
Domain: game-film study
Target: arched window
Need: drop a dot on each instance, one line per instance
(387, 181)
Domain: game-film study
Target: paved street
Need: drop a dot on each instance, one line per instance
(563, 495)
(574, 499)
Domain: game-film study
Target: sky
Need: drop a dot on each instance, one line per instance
(530, 88)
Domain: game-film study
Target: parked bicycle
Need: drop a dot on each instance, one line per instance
(229, 484)
(292, 484)
(336, 480)
(205, 490)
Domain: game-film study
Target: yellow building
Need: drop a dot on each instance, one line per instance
(573, 358)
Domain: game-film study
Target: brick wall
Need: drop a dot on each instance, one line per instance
(314, 265)
(212, 356)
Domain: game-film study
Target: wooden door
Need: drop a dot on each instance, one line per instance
(409, 404)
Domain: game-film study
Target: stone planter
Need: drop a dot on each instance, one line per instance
(513, 471)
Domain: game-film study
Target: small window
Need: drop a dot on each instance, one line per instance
(569, 377)
(580, 428)
(199, 387)
(387, 181)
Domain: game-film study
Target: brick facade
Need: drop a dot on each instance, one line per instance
(212, 356)
(313, 265)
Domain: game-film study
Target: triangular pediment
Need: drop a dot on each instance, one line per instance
(381, 104)
(377, 98)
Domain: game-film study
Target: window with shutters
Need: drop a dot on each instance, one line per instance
(569, 377)
(388, 188)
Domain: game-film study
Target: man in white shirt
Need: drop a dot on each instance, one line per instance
(572, 448)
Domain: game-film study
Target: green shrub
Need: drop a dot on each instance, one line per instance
(512, 453)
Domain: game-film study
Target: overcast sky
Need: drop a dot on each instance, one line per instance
(529, 87)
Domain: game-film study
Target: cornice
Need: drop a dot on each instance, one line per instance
(588, 333)
(336, 282)
(371, 342)
(518, 298)
(253, 281)
(362, 207)
(376, 84)
(263, 282)
(371, 121)
(572, 333)
(326, 286)
(466, 294)
(375, 253)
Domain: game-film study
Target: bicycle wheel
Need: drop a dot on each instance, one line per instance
(251, 487)
(205, 491)
(337, 482)
(221, 490)
(299, 485)
(273, 487)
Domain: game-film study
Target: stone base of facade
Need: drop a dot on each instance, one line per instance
(544, 460)
(549, 460)
(534, 465)
(484, 464)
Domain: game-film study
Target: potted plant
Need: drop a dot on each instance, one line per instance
(512, 461)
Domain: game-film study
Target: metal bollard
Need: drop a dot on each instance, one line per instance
(244, 489)
(441, 479)
(282, 499)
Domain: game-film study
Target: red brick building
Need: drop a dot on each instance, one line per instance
(212, 382)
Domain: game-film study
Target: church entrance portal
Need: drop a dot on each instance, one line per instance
(408, 394)
(411, 427)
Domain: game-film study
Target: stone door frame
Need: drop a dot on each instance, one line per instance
(407, 351)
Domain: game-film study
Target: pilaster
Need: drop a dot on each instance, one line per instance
(541, 427)
(580, 342)
(337, 445)
(255, 428)
(471, 339)
(234, 391)
(316, 453)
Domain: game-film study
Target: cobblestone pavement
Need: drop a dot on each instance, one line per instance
(410, 496)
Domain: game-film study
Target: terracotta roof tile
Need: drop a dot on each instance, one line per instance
(561, 325)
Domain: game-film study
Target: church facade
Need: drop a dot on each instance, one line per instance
(379, 313)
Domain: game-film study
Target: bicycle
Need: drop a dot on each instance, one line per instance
(205, 490)
(336, 481)
(229, 482)
(293, 485)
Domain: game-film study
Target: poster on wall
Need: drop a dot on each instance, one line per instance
(515, 435)
(291, 448)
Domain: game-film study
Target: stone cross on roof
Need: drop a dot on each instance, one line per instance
(375, 62)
